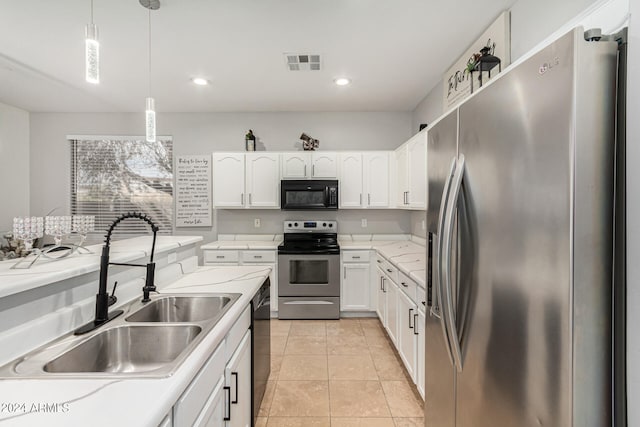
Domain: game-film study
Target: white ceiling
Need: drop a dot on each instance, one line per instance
(395, 51)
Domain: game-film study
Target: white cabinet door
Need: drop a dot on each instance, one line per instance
(213, 413)
(228, 180)
(420, 361)
(381, 307)
(238, 378)
(324, 165)
(354, 294)
(402, 177)
(375, 180)
(295, 165)
(392, 310)
(351, 190)
(406, 344)
(263, 179)
(417, 165)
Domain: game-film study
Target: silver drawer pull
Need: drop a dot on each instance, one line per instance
(390, 271)
(379, 262)
(219, 256)
(404, 284)
(257, 256)
(308, 303)
(355, 257)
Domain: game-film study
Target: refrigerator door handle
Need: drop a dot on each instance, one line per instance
(448, 310)
(438, 309)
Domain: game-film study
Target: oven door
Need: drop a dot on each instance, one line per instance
(309, 275)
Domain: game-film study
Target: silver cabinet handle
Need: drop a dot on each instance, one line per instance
(257, 256)
(381, 286)
(411, 316)
(313, 170)
(379, 261)
(361, 198)
(384, 288)
(355, 257)
(415, 324)
(404, 284)
(242, 198)
(219, 256)
(408, 201)
(389, 270)
(369, 199)
(305, 170)
(345, 272)
(249, 198)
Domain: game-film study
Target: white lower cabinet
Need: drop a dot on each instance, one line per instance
(237, 380)
(392, 309)
(420, 368)
(381, 306)
(220, 394)
(407, 342)
(355, 281)
(247, 257)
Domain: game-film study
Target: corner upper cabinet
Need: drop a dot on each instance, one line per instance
(303, 165)
(228, 180)
(262, 180)
(411, 169)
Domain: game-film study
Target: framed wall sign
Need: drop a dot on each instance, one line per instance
(193, 191)
(456, 80)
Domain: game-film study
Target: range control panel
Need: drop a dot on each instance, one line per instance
(301, 225)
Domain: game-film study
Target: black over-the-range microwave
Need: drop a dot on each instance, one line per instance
(308, 194)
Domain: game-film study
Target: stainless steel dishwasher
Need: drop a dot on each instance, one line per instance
(260, 345)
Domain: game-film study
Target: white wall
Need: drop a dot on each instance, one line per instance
(14, 165)
(633, 213)
(201, 133)
(533, 21)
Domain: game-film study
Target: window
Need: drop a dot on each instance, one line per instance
(111, 176)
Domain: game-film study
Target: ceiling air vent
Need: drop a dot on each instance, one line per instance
(302, 62)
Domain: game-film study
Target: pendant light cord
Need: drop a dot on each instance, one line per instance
(149, 79)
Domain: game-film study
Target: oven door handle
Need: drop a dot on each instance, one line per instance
(308, 303)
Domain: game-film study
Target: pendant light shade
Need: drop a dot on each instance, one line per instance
(91, 52)
(150, 109)
(150, 120)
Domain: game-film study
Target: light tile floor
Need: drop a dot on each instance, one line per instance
(337, 373)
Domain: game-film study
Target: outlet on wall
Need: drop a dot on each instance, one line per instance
(363, 223)
(256, 222)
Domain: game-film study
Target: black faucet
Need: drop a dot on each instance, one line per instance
(103, 299)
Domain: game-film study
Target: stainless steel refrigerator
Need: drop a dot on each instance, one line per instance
(520, 215)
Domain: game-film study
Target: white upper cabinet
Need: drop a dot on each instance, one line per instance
(316, 165)
(262, 186)
(324, 165)
(376, 179)
(228, 180)
(249, 180)
(351, 184)
(364, 180)
(411, 170)
(295, 165)
(417, 162)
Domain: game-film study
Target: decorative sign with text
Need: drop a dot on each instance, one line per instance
(193, 191)
(457, 85)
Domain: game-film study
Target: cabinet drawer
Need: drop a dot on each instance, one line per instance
(237, 332)
(189, 405)
(407, 285)
(220, 256)
(259, 256)
(389, 269)
(355, 256)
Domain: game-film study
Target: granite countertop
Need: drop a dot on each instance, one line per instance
(131, 401)
(45, 271)
(408, 256)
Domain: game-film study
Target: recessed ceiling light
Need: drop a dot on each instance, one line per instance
(342, 81)
(200, 81)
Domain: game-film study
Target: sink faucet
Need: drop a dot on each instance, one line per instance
(103, 300)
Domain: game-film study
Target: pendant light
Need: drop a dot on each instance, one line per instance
(91, 52)
(150, 110)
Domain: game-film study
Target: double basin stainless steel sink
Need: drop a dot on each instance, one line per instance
(148, 340)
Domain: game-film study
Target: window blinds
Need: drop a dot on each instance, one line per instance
(111, 176)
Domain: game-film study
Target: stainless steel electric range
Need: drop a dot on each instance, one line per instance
(309, 270)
